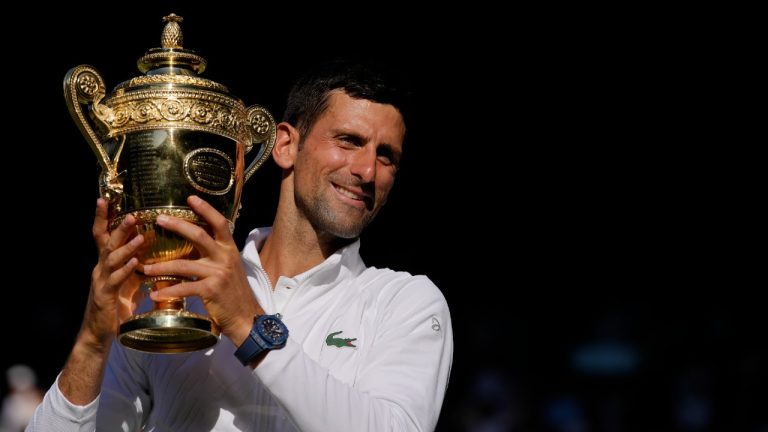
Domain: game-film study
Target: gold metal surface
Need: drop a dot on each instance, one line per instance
(186, 80)
(159, 138)
(149, 216)
(172, 37)
(197, 109)
(168, 332)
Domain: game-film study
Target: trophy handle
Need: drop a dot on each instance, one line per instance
(84, 86)
(261, 124)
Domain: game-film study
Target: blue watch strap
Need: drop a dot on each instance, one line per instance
(255, 343)
(249, 349)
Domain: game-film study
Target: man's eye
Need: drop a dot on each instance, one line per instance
(350, 141)
(386, 156)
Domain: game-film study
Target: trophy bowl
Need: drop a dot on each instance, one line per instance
(159, 138)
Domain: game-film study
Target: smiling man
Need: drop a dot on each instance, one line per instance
(320, 341)
(346, 165)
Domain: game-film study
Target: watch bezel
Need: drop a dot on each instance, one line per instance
(259, 339)
(267, 334)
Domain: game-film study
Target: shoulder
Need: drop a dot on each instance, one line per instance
(403, 305)
(401, 289)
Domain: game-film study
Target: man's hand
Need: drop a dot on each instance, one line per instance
(114, 284)
(219, 276)
(114, 294)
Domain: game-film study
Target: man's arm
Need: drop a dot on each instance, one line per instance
(121, 405)
(401, 381)
(114, 293)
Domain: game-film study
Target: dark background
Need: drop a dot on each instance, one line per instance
(590, 257)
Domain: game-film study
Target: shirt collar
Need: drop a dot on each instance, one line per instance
(341, 263)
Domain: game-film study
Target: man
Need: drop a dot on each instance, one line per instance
(368, 349)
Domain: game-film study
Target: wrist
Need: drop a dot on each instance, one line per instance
(239, 334)
(82, 375)
(92, 344)
(244, 324)
(267, 333)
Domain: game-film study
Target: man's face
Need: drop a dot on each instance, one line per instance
(347, 164)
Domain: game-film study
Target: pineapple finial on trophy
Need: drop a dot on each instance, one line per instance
(171, 58)
(172, 37)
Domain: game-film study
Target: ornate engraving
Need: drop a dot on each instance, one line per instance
(145, 111)
(209, 170)
(149, 216)
(121, 116)
(77, 100)
(87, 84)
(202, 112)
(179, 108)
(159, 58)
(259, 125)
(172, 79)
(173, 110)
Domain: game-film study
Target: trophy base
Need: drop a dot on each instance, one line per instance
(168, 332)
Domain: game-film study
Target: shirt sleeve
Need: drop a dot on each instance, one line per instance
(56, 413)
(120, 406)
(400, 384)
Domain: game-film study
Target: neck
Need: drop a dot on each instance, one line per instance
(294, 246)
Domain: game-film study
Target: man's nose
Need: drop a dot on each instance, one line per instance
(363, 164)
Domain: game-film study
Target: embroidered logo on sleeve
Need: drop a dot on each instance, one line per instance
(339, 342)
(435, 324)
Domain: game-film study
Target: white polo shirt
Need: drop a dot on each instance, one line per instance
(369, 350)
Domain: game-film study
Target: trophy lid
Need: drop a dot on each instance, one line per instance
(171, 63)
(170, 94)
(171, 58)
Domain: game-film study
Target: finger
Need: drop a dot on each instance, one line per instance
(189, 268)
(204, 243)
(101, 224)
(117, 277)
(120, 234)
(123, 253)
(215, 219)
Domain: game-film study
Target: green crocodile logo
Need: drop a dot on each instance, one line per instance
(339, 342)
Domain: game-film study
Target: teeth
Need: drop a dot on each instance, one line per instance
(348, 193)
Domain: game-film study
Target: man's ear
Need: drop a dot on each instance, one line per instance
(286, 145)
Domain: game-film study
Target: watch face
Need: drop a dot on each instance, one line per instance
(273, 330)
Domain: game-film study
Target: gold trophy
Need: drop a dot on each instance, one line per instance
(159, 138)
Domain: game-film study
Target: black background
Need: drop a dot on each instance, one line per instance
(545, 189)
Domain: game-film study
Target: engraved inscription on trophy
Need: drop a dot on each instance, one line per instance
(148, 167)
(209, 170)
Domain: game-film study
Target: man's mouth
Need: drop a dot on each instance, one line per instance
(357, 196)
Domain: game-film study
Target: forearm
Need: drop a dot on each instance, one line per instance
(113, 388)
(80, 381)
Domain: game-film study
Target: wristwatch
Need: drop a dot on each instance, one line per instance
(268, 333)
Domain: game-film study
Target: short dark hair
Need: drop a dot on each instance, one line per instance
(309, 96)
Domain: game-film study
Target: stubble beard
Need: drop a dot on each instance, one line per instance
(324, 218)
